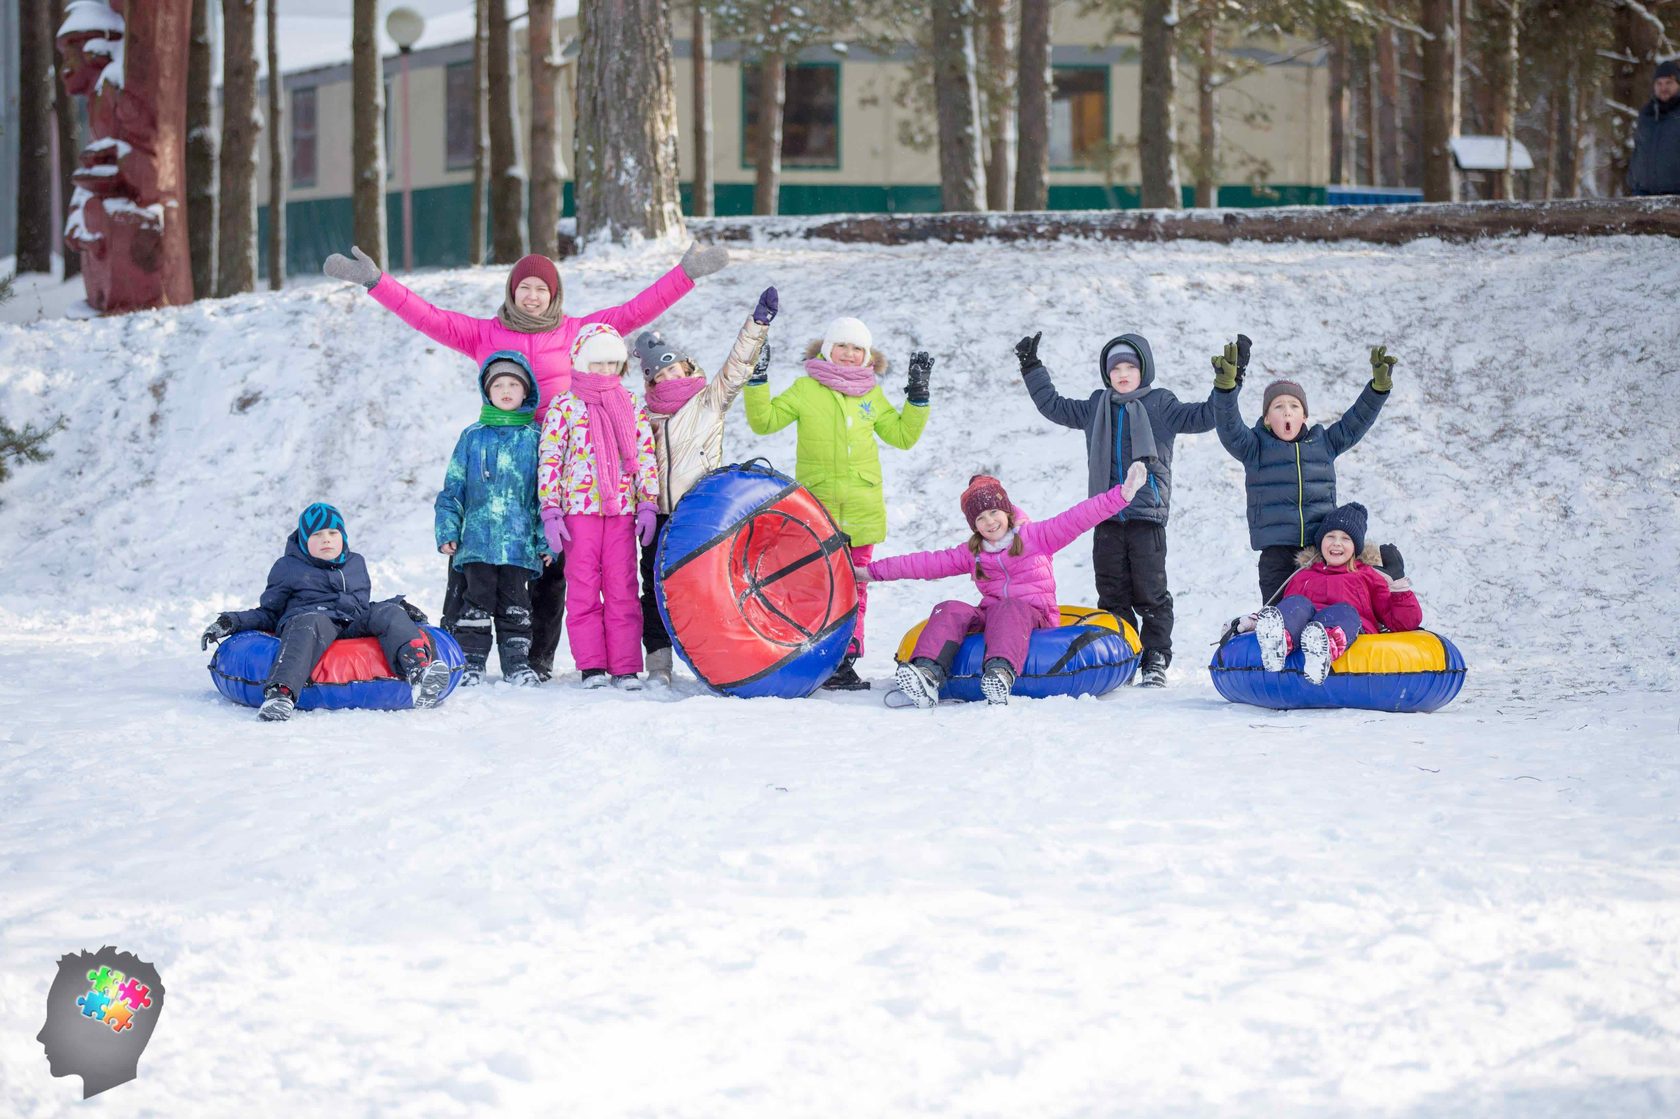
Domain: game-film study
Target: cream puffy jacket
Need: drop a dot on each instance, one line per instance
(690, 443)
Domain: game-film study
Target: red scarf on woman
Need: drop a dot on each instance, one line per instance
(612, 433)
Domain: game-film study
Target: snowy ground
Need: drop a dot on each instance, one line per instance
(1154, 904)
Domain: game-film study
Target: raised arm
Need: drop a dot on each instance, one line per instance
(901, 429)
(653, 301)
(1188, 419)
(737, 367)
(1065, 527)
(459, 332)
(765, 413)
(923, 565)
(1398, 610)
(1234, 435)
(1051, 405)
(1356, 421)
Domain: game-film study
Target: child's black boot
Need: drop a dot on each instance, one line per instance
(426, 674)
(473, 674)
(1154, 669)
(277, 705)
(921, 679)
(845, 678)
(996, 681)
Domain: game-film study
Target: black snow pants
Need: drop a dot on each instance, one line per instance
(499, 595)
(306, 636)
(653, 626)
(1277, 564)
(1130, 562)
(545, 603)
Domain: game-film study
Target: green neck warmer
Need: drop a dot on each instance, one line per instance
(492, 416)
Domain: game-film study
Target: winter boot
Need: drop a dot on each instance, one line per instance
(426, 675)
(1320, 647)
(921, 679)
(845, 678)
(277, 704)
(996, 681)
(522, 677)
(516, 663)
(1273, 638)
(1154, 669)
(545, 672)
(473, 674)
(596, 678)
(659, 667)
(627, 682)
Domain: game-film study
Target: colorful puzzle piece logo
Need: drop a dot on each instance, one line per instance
(113, 999)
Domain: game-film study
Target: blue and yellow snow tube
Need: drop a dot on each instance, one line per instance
(1411, 671)
(755, 584)
(1090, 652)
(352, 673)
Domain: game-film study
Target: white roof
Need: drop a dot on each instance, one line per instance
(1487, 153)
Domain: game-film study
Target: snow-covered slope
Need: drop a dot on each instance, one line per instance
(1157, 903)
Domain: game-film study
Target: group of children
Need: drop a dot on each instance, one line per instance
(568, 471)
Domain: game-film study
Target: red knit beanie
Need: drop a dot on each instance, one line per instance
(984, 492)
(542, 268)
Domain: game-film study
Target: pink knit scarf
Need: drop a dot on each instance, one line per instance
(612, 432)
(850, 380)
(668, 396)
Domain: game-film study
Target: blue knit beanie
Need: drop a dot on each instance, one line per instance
(322, 516)
(1350, 519)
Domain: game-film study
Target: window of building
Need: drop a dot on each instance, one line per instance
(303, 137)
(810, 119)
(1078, 115)
(458, 115)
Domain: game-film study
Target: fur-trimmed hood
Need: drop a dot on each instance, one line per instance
(814, 349)
(1371, 556)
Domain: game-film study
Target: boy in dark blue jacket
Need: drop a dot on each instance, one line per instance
(1127, 420)
(1290, 468)
(318, 592)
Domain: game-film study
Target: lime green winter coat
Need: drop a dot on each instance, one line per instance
(837, 459)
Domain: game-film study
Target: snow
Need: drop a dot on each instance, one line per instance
(688, 906)
(1487, 153)
(84, 16)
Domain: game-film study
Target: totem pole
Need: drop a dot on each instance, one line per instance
(127, 213)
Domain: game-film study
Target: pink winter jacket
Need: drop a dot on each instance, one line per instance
(550, 354)
(1364, 589)
(999, 575)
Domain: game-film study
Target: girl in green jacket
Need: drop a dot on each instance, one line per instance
(840, 410)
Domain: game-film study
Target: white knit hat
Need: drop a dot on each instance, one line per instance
(850, 330)
(598, 342)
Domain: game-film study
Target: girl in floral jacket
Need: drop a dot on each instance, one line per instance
(598, 489)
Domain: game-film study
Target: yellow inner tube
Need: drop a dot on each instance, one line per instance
(1070, 616)
(1376, 653)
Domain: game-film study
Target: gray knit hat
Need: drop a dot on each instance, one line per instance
(1283, 388)
(654, 353)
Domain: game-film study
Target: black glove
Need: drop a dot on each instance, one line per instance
(414, 612)
(921, 368)
(218, 629)
(1026, 350)
(1244, 343)
(761, 368)
(1393, 566)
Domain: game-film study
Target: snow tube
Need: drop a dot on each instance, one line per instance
(755, 584)
(351, 673)
(1091, 652)
(1411, 671)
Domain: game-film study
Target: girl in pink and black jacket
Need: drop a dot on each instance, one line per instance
(1013, 564)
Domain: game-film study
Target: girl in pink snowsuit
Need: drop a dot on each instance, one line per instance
(1013, 564)
(597, 492)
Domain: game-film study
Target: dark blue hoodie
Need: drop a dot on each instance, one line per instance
(298, 583)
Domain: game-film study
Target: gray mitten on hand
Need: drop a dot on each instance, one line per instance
(362, 270)
(703, 260)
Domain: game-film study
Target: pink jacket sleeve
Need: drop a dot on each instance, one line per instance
(642, 309)
(1064, 528)
(459, 332)
(1398, 611)
(924, 565)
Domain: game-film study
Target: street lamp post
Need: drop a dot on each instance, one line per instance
(405, 26)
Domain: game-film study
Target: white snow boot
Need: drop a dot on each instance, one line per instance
(659, 667)
(1321, 648)
(523, 677)
(920, 679)
(996, 681)
(1273, 638)
(627, 682)
(430, 683)
(596, 678)
(277, 705)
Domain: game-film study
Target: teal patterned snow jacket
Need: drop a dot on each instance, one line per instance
(489, 496)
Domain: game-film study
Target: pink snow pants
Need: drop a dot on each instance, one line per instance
(603, 614)
(861, 555)
(1008, 626)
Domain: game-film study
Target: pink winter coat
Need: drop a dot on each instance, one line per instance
(999, 575)
(1365, 589)
(550, 353)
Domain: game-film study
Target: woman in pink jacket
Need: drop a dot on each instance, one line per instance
(532, 322)
(1013, 564)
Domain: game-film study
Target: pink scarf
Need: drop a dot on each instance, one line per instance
(850, 380)
(612, 432)
(667, 397)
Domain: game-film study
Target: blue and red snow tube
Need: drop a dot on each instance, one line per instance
(1415, 670)
(755, 584)
(352, 673)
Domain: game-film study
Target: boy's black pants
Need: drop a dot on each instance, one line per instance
(545, 601)
(654, 635)
(306, 636)
(1277, 564)
(499, 595)
(1130, 560)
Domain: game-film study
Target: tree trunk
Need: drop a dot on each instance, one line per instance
(236, 233)
(545, 165)
(201, 153)
(1207, 118)
(998, 86)
(1373, 126)
(1339, 162)
(1508, 102)
(69, 148)
(767, 156)
(700, 66)
(1440, 122)
(1157, 105)
(481, 137)
(507, 180)
(627, 131)
(957, 105)
(1388, 118)
(1032, 108)
(1636, 43)
(276, 157)
(36, 124)
(367, 134)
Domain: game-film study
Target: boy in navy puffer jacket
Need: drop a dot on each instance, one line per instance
(318, 592)
(1127, 420)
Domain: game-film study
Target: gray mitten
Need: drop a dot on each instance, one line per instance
(703, 260)
(362, 270)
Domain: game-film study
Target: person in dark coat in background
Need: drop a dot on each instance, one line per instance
(1127, 420)
(1655, 166)
(318, 592)
(1290, 468)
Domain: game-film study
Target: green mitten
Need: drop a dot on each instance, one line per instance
(1382, 368)
(1225, 368)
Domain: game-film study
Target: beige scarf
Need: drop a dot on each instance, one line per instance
(516, 318)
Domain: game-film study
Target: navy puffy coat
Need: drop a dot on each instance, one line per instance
(1291, 486)
(1655, 166)
(298, 583)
